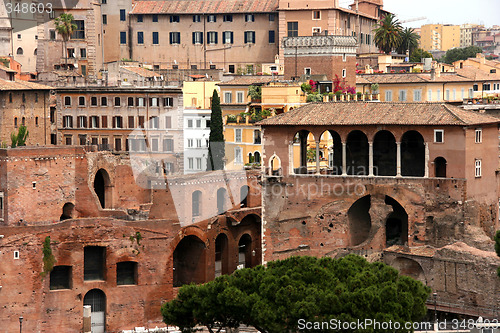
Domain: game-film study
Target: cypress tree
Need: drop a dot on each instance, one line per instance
(216, 151)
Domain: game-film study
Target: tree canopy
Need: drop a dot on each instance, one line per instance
(19, 139)
(65, 27)
(388, 33)
(419, 54)
(274, 298)
(216, 151)
(409, 41)
(456, 54)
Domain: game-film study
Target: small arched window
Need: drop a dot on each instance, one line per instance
(15, 121)
(19, 51)
(35, 52)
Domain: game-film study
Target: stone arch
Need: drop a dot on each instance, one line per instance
(96, 298)
(359, 220)
(306, 142)
(221, 200)
(274, 166)
(67, 211)
(221, 255)
(189, 261)
(245, 251)
(102, 188)
(357, 153)
(410, 268)
(412, 154)
(440, 167)
(384, 154)
(396, 224)
(331, 139)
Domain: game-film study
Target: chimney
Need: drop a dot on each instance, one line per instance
(433, 74)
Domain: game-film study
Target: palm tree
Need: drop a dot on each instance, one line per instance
(388, 34)
(65, 27)
(409, 41)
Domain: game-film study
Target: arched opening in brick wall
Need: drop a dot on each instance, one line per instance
(96, 298)
(384, 154)
(275, 166)
(257, 157)
(331, 147)
(221, 200)
(359, 220)
(102, 188)
(245, 252)
(440, 167)
(396, 225)
(196, 203)
(221, 255)
(67, 211)
(244, 195)
(304, 154)
(357, 153)
(410, 268)
(189, 261)
(412, 154)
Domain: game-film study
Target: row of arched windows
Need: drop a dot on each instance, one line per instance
(222, 200)
(20, 51)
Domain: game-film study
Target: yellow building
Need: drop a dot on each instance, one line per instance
(439, 37)
(198, 94)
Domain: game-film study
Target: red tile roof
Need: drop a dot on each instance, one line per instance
(142, 71)
(204, 6)
(246, 80)
(375, 113)
(6, 85)
(409, 78)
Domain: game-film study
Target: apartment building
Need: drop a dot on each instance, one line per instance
(236, 36)
(439, 37)
(196, 137)
(134, 119)
(466, 31)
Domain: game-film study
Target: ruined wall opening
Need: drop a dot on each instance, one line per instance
(94, 263)
(67, 211)
(396, 225)
(440, 167)
(359, 220)
(189, 261)
(96, 298)
(275, 166)
(245, 252)
(306, 151)
(126, 273)
(102, 188)
(410, 268)
(412, 154)
(221, 255)
(60, 278)
(196, 203)
(357, 153)
(244, 195)
(221, 200)
(384, 154)
(331, 148)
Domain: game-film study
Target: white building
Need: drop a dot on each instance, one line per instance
(196, 136)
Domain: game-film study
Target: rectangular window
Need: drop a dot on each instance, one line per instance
(140, 18)
(249, 37)
(130, 101)
(190, 123)
(388, 95)
(344, 72)
(140, 37)
(238, 156)
(211, 18)
(198, 143)
(104, 101)
(471, 93)
(256, 137)
(117, 101)
(156, 39)
(82, 121)
(198, 123)
(154, 102)
(168, 122)
(227, 37)
(439, 136)
(155, 18)
(272, 17)
(175, 18)
(154, 144)
(293, 29)
(175, 38)
(240, 97)
(126, 273)
(52, 34)
(104, 19)
(68, 139)
(438, 94)
(249, 18)
(316, 15)
(227, 18)
(429, 95)
(272, 38)
(197, 37)
(155, 122)
(447, 95)
(486, 87)
(123, 37)
(190, 163)
(228, 97)
(168, 145)
(479, 135)
(81, 101)
(478, 168)
(402, 95)
(83, 53)
(68, 121)
(212, 37)
(60, 277)
(168, 102)
(417, 95)
(131, 122)
(463, 93)
(117, 122)
(94, 263)
(123, 16)
(237, 135)
(79, 32)
(454, 94)
(196, 18)
(94, 122)
(198, 163)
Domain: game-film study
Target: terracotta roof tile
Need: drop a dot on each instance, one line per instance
(21, 85)
(375, 113)
(246, 80)
(204, 6)
(142, 71)
(476, 74)
(409, 78)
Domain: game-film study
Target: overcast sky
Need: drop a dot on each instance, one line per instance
(457, 12)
